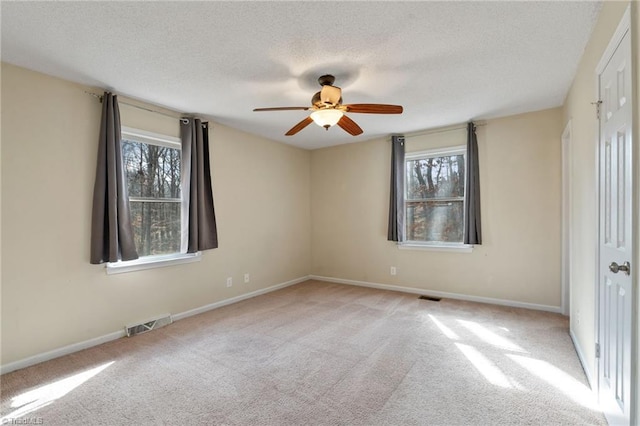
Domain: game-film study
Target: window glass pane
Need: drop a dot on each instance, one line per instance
(435, 177)
(435, 221)
(152, 171)
(156, 227)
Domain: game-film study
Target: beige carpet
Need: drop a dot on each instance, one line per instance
(320, 354)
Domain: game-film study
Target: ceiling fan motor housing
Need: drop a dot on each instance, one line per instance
(330, 96)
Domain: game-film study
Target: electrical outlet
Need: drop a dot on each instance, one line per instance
(246, 278)
(229, 282)
(393, 270)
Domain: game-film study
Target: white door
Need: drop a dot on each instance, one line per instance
(615, 239)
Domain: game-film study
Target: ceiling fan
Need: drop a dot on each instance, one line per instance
(328, 109)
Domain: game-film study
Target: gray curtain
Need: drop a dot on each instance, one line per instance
(111, 231)
(396, 199)
(198, 215)
(472, 230)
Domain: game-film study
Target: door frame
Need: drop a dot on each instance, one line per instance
(567, 199)
(635, 209)
(623, 27)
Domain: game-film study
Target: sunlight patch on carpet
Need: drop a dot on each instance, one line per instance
(487, 368)
(42, 396)
(562, 381)
(490, 337)
(445, 330)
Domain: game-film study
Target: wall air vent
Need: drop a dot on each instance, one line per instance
(430, 298)
(148, 325)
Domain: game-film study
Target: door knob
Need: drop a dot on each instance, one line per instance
(625, 267)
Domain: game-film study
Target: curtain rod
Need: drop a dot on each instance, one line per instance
(166, 114)
(442, 130)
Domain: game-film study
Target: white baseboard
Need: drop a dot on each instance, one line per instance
(236, 299)
(66, 350)
(46, 356)
(583, 361)
(56, 353)
(442, 294)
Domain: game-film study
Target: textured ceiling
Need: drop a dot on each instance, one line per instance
(445, 62)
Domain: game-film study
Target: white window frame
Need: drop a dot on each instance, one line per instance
(434, 245)
(157, 261)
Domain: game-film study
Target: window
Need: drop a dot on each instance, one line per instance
(435, 196)
(152, 170)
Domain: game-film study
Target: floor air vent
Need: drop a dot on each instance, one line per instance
(149, 325)
(430, 298)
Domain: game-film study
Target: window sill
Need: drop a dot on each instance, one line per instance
(152, 262)
(456, 248)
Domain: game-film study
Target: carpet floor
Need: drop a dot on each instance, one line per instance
(320, 354)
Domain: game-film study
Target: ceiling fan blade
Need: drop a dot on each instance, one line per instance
(301, 125)
(374, 108)
(349, 126)
(330, 95)
(283, 109)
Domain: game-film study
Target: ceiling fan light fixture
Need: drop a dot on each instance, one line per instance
(327, 117)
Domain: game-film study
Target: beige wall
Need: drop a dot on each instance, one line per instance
(520, 191)
(52, 296)
(584, 125)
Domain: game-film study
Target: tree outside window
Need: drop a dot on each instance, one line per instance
(152, 169)
(434, 198)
